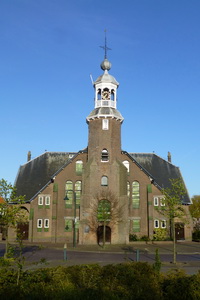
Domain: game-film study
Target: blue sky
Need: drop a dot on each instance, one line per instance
(48, 50)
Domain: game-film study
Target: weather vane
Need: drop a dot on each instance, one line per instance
(105, 47)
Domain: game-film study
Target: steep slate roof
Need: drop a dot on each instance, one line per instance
(161, 170)
(36, 173)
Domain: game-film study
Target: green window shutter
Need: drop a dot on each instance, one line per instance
(55, 187)
(31, 215)
(149, 188)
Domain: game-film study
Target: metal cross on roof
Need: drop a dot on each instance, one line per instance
(105, 47)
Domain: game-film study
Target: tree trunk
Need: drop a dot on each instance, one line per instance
(7, 244)
(104, 233)
(174, 242)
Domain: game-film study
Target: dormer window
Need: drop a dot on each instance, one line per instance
(104, 155)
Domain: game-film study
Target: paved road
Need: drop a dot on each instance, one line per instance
(54, 256)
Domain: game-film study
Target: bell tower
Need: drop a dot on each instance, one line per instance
(105, 120)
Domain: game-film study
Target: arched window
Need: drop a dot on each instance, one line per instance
(79, 167)
(78, 191)
(112, 95)
(99, 94)
(128, 188)
(103, 211)
(126, 164)
(104, 181)
(136, 194)
(69, 193)
(104, 155)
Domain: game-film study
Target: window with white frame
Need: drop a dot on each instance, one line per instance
(40, 200)
(39, 223)
(163, 224)
(105, 124)
(47, 200)
(162, 201)
(46, 223)
(159, 200)
(156, 202)
(156, 223)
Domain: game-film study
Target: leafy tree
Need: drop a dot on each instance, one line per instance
(7, 191)
(195, 207)
(173, 208)
(11, 213)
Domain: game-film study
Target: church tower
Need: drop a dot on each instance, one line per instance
(104, 176)
(105, 120)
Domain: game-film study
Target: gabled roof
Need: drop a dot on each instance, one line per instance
(36, 173)
(160, 170)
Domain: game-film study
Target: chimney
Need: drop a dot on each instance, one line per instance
(29, 156)
(169, 157)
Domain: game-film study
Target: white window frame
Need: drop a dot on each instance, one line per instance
(162, 201)
(156, 223)
(105, 124)
(156, 201)
(163, 224)
(46, 221)
(47, 200)
(40, 200)
(39, 223)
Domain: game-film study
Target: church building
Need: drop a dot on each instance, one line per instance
(100, 191)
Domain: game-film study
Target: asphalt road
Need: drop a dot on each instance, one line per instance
(36, 253)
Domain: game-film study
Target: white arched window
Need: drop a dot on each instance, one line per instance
(126, 164)
(104, 181)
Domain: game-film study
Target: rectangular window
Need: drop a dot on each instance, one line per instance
(105, 124)
(47, 200)
(46, 223)
(39, 223)
(40, 200)
(136, 225)
(68, 225)
(162, 201)
(156, 223)
(163, 223)
(156, 203)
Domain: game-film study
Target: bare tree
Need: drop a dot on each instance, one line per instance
(105, 209)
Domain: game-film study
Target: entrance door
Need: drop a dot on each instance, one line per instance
(100, 235)
(179, 231)
(22, 228)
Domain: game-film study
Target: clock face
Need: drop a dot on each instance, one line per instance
(105, 95)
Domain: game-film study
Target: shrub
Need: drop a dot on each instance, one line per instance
(144, 238)
(196, 236)
(133, 237)
(160, 234)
